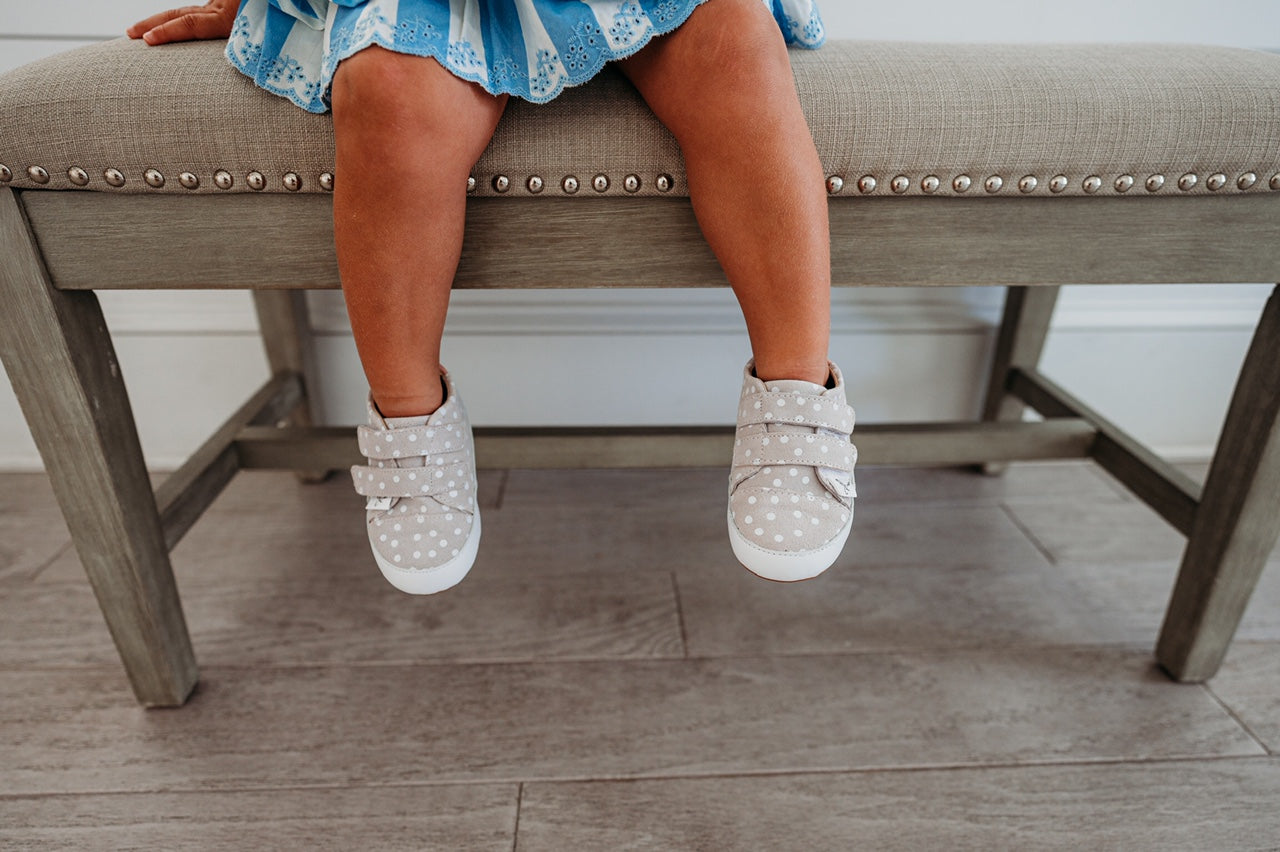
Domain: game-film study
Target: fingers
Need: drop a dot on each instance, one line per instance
(186, 24)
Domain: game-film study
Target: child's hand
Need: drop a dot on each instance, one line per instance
(212, 20)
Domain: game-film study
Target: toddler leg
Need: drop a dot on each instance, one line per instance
(722, 84)
(408, 133)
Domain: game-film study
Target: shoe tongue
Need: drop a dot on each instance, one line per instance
(794, 386)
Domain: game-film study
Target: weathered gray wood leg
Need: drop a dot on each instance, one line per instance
(286, 336)
(59, 357)
(1023, 330)
(1238, 520)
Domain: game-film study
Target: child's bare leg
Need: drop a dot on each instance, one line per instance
(722, 84)
(407, 133)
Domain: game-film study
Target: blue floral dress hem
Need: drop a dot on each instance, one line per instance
(532, 49)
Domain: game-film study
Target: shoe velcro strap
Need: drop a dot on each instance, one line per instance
(771, 448)
(432, 481)
(798, 408)
(409, 441)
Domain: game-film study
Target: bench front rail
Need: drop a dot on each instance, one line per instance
(58, 247)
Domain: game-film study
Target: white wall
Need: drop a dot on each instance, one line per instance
(588, 357)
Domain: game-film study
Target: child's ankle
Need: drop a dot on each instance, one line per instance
(409, 406)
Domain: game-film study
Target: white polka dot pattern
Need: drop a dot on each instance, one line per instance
(791, 485)
(421, 486)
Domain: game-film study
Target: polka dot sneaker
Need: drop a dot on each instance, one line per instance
(791, 487)
(420, 485)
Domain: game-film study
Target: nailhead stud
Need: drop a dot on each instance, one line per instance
(471, 183)
(664, 183)
(569, 185)
(1154, 183)
(962, 183)
(1246, 181)
(291, 181)
(631, 183)
(256, 181)
(534, 184)
(930, 184)
(1275, 181)
(113, 177)
(78, 176)
(1187, 181)
(223, 179)
(154, 178)
(600, 183)
(1215, 181)
(1028, 184)
(38, 174)
(1124, 183)
(501, 183)
(900, 184)
(326, 181)
(6, 174)
(1092, 184)
(1058, 183)
(189, 180)
(835, 184)
(993, 184)
(866, 184)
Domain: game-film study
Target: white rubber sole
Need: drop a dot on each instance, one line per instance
(433, 580)
(787, 567)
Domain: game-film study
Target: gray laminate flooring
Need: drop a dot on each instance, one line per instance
(974, 673)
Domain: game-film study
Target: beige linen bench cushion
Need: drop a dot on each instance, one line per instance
(947, 164)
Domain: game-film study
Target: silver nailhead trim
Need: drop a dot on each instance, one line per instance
(664, 183)
(1154, 183)
(223, 179)
(291, 181)
(1028, 184)
(189, 180)
(900, 184)
(256, 181)
(501, 183)
(78, 176)
(113, 177)
(600, 183)
(153, 177)
(866, 184)
(1058, 183)
(1124, 183)
(1091, 184)
(962, 183)
(6, 174)
(931, 184)
(631, 183)
(326, 181)
(534, 184)
(993, 183)
(569, 184)
(1187, 181)
(1275, 181)
(38, 174)
(1246, 180)
(835, 185)
(1215, 181)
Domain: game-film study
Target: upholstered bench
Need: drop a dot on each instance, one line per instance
(1026, 167)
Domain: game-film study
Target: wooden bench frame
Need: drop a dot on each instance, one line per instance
(56, 248)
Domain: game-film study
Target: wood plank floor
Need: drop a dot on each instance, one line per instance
(974, 673)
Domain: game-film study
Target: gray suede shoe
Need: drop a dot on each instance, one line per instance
(791, 487)
(420, 485)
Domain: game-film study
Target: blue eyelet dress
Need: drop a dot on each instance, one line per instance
(529, 48)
